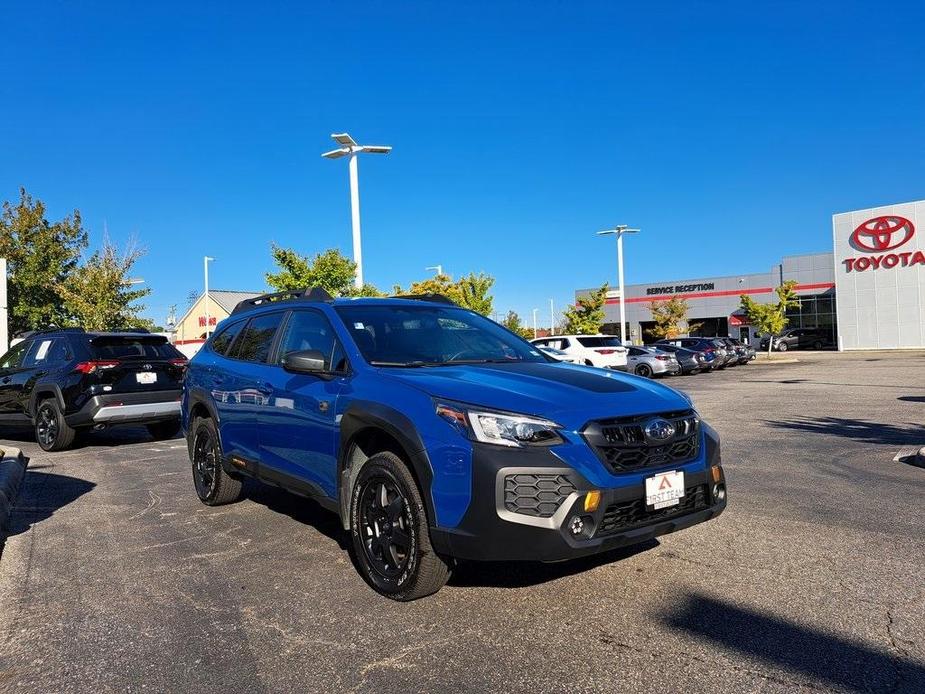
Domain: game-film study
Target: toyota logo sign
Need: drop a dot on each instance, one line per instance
(882, 234)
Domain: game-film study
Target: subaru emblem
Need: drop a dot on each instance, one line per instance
(659, 430)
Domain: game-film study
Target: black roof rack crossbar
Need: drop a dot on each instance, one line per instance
(313, 294)
(435, 298)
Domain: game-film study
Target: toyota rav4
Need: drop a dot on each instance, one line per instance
(437, 435)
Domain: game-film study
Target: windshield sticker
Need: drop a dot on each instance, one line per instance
(358, 326)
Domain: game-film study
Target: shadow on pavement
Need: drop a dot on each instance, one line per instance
(520, 574)
(824, 657)
(857, 429)
(41, 495)
(301, 509)
(912, 398)
(107, 438)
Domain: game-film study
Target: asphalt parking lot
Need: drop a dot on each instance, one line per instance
(116, 578)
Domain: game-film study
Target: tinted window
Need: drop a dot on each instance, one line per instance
(123, 347)
(398, 334)
(223, 340)
(599, 341)
(13, 359)
(311, 330)
(46, 352)
(636, 352)
(257, 339)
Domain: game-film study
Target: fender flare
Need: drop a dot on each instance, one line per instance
(40, 391)
(363, 415)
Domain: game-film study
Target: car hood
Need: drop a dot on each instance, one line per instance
(565, 393)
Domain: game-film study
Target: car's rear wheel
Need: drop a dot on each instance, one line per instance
(817, 345)
(388, 526)
(782, 347)
(643, 370)
(164, 430)
(213, 485)
(51, 431)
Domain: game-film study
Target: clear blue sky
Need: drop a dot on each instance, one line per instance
(730, 132)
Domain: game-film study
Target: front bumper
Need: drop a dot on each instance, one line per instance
(489, 531)
(127, 408)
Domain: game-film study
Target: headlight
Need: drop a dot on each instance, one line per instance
(501, 429)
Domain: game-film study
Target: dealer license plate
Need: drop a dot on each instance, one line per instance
(146, 377)
(665, 489)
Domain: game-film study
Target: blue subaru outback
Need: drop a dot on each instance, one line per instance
(438, 435)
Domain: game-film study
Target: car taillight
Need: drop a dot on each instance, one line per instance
(179, 362)
(606, 351)
(661, 357)
(89, 367)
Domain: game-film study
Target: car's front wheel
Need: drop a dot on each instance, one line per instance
(388, 527)
(643, 370)
(782, 347)
(51, 430)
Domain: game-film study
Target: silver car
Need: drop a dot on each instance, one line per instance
(650, 361)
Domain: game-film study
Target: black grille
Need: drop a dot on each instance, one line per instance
(622, 446)
(626, 515)
(536, 494)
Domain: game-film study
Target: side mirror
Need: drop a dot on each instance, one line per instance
(305, 361)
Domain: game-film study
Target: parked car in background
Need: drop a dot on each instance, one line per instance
(797, 338)
(691, 361)
(435, 435)
(650, 361)
(604, 351)
(558, 354)
(717, 356)
(61, 381)
(741, 354)
(749, 352)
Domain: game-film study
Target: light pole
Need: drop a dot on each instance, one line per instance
(552, 318)
(205, 272)
(349, 147)
(438, 268)
(534, 322)
(619, 230)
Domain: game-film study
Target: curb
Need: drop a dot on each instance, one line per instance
(772, 362)
(12, 469)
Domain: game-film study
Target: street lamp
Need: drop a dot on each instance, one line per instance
(534, 322)
(619, 230)
(552, 318)
(349, 147)
(438, 268)
(205, 272)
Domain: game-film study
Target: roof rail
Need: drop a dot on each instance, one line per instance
(26, 334)
(430, 296)
(314, 294)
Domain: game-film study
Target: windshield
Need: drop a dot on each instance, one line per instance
(599, 342)
(429, 335)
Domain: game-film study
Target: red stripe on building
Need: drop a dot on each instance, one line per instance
(727, 292)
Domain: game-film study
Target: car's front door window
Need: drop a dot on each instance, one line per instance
(14, 358)
(309, 330)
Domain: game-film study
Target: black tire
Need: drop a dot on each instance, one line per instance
(817, 345)
(588, 362)
(51, 431)
(164, 430)
(213, 485)
(643, 370)
(389, 532)
(782, 347)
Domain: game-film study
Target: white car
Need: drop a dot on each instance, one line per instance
(604, 351)
(557, 354)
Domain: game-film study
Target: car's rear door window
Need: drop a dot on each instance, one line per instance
(256, 340)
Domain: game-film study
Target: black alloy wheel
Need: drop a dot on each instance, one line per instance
(214, 486)
(51, 430)
(644, 370)
(385, 521)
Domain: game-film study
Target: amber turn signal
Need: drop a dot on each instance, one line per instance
(592, 500)
(717, 473)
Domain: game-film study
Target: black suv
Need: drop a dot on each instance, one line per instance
(798, 338)
(67, 379)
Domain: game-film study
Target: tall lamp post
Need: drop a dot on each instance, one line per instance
(619, 231)
(349, 148)
(438, 268)
(534, 322)
(205, 272)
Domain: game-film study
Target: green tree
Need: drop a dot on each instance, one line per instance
(771, 318)
(513, 323)
(670, 318)
(40, 255)
(330, 270)
(587, 315)
(472, 291)
(98, 294)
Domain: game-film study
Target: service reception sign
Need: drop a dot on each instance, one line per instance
(880, 277)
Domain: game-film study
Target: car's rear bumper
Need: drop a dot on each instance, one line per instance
(490, 531)
(127, 408)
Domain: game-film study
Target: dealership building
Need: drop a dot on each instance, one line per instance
(868, 292)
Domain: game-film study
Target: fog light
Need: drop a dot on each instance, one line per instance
(717, 473)
(576, 526)
(592, 500)
(719, 492)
